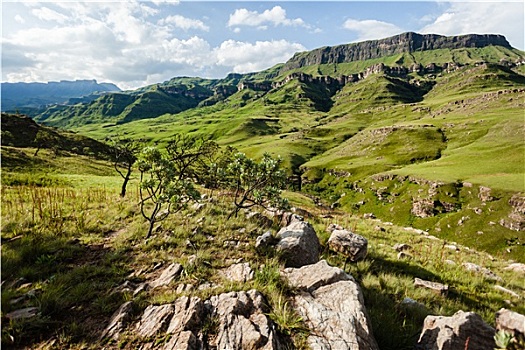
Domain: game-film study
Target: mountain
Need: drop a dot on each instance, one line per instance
(35, 95)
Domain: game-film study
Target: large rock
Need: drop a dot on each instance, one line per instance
(154, 320)
(241, 272)
(351, 245)
(188, 315)
(118, 321)
(510, 321)
(299, 244)
(331, 304)
(243, 323)
(168, 275)
(463, 330)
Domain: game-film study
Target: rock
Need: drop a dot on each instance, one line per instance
(508, 291)
(264, 240)
(167, 275)
(154, 319)
(422, 207)
(412, 303)
(516, 267)
(243, 323)
(450, 262)
(188, 315)
(403, 255)
(311, 277)
(488, 274)
(183, 341)
(238, 272)
(402, 247)
(198, 206)
(369, 216)
(118, 321)
(184, 287)
(299, 244)
(510, 321)
(140, 288)
(438, 287)
(455, 332)
(288, 218)
(331, 304)
(351, 245)
(484, 194)
(28, 312)
(451, 247)
(332, 227)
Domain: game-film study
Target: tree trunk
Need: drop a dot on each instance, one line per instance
(125, 184)
(150, 230)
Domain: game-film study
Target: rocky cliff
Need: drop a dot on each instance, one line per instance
(402, 43)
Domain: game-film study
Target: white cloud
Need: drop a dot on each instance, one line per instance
(371, 29)
(184, 23)
(20, 19)
(276, 16)
(481, 18)
(246, 57)
(46, 14)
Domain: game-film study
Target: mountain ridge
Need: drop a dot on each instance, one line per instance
(405, 42)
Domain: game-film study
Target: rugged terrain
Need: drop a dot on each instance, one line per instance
(409, 148)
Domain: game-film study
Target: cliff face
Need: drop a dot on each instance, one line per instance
(406, 42)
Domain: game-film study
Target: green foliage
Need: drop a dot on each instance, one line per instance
(162, 185)
(256, 183)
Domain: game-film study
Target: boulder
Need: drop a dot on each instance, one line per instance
(167, 275)
(510, 321)
(288, 218)
(154, 320)
(485, 194)
(488, 274)
(400, 247)
(264, 240)
(332, 227)
(463, 330)
(118, 321)
(437, 287)
(243, 321)
(188, 315)
(351, 245)
(241, 272)
(299, 244)
(332, 306)
(516, 267)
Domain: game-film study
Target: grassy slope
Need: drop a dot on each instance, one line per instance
(79, 244)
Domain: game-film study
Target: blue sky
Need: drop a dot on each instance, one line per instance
(134, 43)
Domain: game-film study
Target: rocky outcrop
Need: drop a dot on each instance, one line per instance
(406, 42)
(463, 330)
(299, 244)
(510, 321)
(243, 323)
(353, 246)
(332, 306)
(422, 207)
(516, 219)
(118, 321)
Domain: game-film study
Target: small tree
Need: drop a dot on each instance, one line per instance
(256, 183)
(125, 155)
(161, 185)
(44, 139)
(188, 153)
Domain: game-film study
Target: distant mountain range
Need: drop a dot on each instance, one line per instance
(35, 95)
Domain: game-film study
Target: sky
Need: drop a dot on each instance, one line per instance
(136, 43)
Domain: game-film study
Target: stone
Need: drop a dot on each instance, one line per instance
(28, 312)
(485, 194)
(118, 321)
(311, 277)
(264, 240)
(488, 274)
(183, 341)
(508, 291)
(287, 218)
(463, 330)
(167, 276)
(510, 321)
(243, 321)
(412, 303)
(241, 272)
(402, 247)
(332, 227)
(351, 245)
(422, 207)
(451, 247)
(188, 315)
(299, 244)
(438, 287)
(403, 255)
(332, 306)
(154, 320)
(516, 267)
